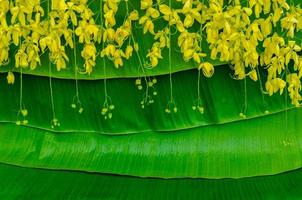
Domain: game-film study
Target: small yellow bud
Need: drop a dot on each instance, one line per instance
(24, 112)
(134, 15)
(136, 47)
(10, 78)
(201, 109)
(207, 69)
(175, 110)
(253, 75)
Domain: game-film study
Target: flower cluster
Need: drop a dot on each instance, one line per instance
(116, 39)
(252, 36)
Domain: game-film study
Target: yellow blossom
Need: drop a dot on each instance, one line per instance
(207, 69)
(10, 78)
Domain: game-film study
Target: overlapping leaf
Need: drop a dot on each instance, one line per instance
(222, 98)
(131, 67)
(261, 146)
(26, 183)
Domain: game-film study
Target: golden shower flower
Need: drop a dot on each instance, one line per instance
(58, 5)
(10, 78)
(207, 69)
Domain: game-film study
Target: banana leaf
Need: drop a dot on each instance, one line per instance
(255, 147)
(28, 183)
(131, 67)
(222, 98)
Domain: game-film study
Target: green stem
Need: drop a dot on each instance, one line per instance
(198, 86)
(50, 74)
(21, 89)
(170, 61)
(104, 61)
(76, 66)
(261, 87)
(51, 92)
(286, 100)
(137, 54)
(245, 97)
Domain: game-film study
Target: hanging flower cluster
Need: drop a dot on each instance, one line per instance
(250, 36)
(115, 39)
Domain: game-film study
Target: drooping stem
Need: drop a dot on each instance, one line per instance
(51, 91)
(141, 66)
(198, 85)
(286, 101)
(77, 96)
(22, 110)
(54, 121)
(76, 99)
(104, 61)
(170, 60)
(261, 89)
(134, 42)
(105, 79)
(245, 97)
(108, 107)
(199, 71)
(21, 90)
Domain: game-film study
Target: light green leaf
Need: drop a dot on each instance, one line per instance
(261, 146)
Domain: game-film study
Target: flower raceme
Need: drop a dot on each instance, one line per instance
(250, 36)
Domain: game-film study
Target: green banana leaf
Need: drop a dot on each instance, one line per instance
(260, 146)
(222, 98)
(26, 183)
(131, 67)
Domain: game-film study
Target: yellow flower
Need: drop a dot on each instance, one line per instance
(59, 57)
(153, 13)
(58, 5)
(165, 10)
(108, 51)
(109, 18)
(258, 4)
(148, 24)
(154, 54)
(291, 22)
(10, 78)
(266, 27)
(89, 54)
(275, 85)
(121, 35)
(133, 16)
(145, 4)
(71, 13)
(253, 75)
(87, 30)
(21, 59)
(4, 6)
(128, 51)
(294, 88)
(207, 69)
